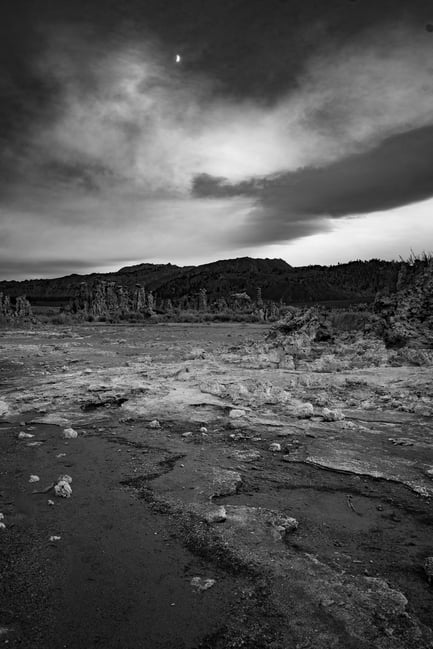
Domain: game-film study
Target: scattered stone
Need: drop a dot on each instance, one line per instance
(284, 524)
(54, 538)
(87, 370)
(31, 444)
(59, 455)
(51, 502)
(69, 433)
(203, 430)
(304, 411)
(202, 584)
(187, 434)
(63, 488)
(236, 413)
(428, 569)
(275, 447)
(286, 458)
(332, 415)
(2, 525)
(236, 437)
(23, 435)
(217, 515)
(154, 424)
(34, 478)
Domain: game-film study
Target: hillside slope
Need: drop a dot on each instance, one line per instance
(354, 281)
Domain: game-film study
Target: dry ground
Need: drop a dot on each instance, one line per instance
(202, 494)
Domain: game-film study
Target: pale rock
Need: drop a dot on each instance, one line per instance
(275, 447)
(63, 488)
(201, 584)
(247, 455)
(216, 515)
(236, 413)
(34, 478)
(4, 408)
(69, 433)
(332, 415)
(214, 388)
(154, 424)
(304, 411)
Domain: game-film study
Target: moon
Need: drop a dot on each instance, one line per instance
(178, 58)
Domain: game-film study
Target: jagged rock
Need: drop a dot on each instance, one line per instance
(21, 311)
(63, 488)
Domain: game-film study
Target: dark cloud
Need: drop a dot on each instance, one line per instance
(294, 113)
(398, 172)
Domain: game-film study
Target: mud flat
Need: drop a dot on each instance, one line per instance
(221, 496)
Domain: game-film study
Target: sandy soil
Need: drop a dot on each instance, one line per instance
(200, 493)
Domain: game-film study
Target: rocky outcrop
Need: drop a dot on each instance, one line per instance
(19, 311)
(108, 300)
(407, 316)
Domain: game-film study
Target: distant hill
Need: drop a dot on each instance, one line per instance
(355, 281)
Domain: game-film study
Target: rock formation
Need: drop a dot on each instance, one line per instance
(22, 309)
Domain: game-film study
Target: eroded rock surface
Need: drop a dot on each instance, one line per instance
(275, 460)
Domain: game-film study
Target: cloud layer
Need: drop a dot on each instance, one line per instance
(137, 156)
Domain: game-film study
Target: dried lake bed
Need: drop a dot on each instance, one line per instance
(220, 496)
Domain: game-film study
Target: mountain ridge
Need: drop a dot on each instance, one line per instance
(277, 280)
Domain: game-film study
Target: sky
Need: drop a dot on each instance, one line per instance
(189, 131)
